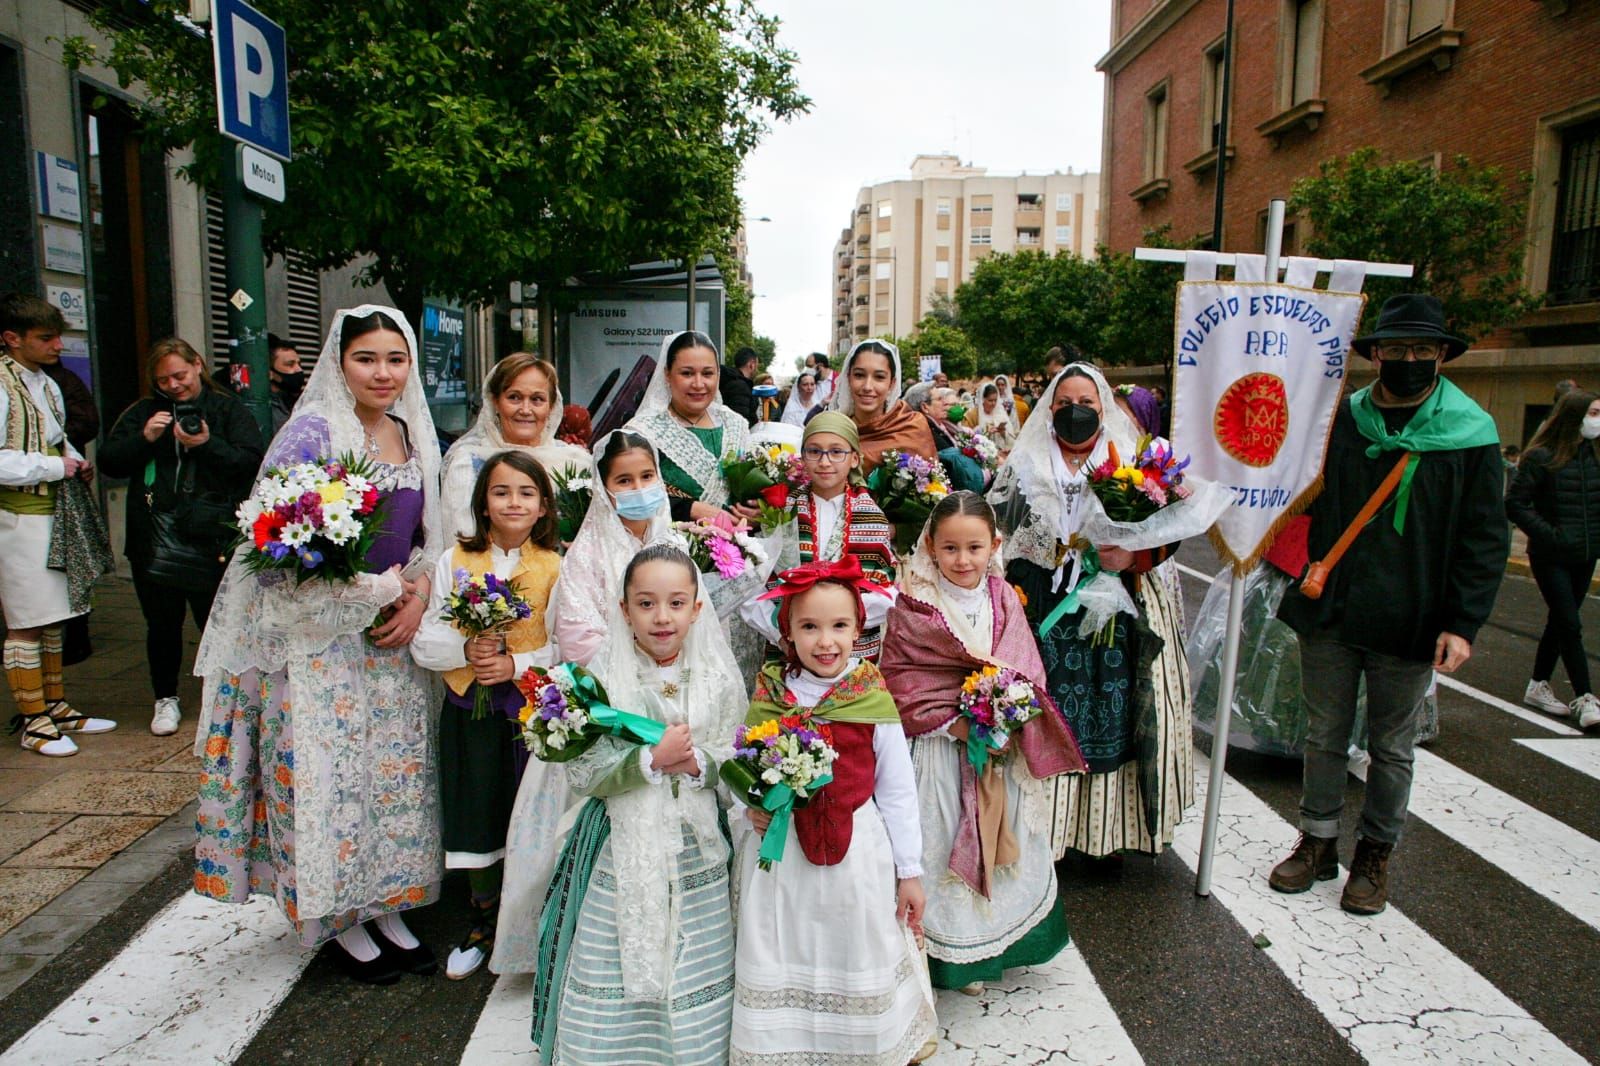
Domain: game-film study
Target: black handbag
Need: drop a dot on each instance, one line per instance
(186, 546)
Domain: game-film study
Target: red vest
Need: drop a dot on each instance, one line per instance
(824, 824)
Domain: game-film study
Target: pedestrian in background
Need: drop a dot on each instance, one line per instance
(1555, 500)
(286, 377)
(37, 465)
(189, 451)
(738, 385)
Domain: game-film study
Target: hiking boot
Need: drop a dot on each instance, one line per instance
(1367, 889)
(1539, 696)
(1313, 859)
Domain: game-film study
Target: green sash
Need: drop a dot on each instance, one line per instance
(1448, 420)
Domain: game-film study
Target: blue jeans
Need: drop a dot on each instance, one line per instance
(1329, 675)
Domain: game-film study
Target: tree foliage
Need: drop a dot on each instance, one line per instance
(470, 144)
(1459, 225)
(933, 336)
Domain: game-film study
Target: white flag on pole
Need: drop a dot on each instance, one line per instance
(1259, 371)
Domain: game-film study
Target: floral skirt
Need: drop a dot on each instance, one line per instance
(368, 771)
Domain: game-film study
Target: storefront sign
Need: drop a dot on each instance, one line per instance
(59, 193)
(73, 303)
(63, 249)
(75, 357)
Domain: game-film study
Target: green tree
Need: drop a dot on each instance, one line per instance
(1137, 327)
(1460, 226)
(467, 145)
(932, 336)
(738, 320)
(1017, 306)
(766, 351)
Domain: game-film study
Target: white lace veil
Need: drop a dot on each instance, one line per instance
(466, 456)
(844, 401)
(1036, 472)
(258, 622)
(657, 396)
(645, 823)
(919, 579)
(795, 410)
(654, 421)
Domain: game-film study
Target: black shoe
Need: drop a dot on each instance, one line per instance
(383, 970)
(419, 960)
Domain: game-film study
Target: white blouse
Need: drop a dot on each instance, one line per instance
(440, 646)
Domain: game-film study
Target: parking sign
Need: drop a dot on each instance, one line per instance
(252, 67)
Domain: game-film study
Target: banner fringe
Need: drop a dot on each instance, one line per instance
(1297, 506)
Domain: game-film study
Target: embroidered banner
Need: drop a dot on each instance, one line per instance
(1258, 373)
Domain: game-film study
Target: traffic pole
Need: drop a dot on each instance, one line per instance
(248, 358)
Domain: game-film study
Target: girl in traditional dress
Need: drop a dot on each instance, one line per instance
(638, 968)
(479, 757)
(837, 517)
(869, 394)
(521, 411)
(1124, 693)
(828, 967)
(318, 784)
(992, 899)
(627, 510)
(991, 418)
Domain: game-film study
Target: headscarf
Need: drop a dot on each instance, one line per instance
(654, 421)
(466, 456)
(258, 624)
(1036, 471)
(998, 425)
(1003, 385)
(898, 428)
(1146, 408)
(794, 412)
(646, 834)
(833, 422)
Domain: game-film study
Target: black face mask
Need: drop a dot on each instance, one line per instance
(1075, 423)
(1403, 378)
(292, 385)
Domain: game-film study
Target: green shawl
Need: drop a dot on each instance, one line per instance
(1448, 420)
(860, 696)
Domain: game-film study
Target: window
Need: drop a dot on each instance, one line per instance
(1305, 55)
(881, 270)
(1575, 251)
(1028, 237)
(941, 269)
(980, 235)
(1211, 90)
(885, 208)
(982, 208)
(1064, 201)
(1063, 234)
(885, 238)
(1425, 16)
(941, 206)
(1155, 133)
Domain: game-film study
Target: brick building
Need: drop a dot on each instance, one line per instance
(1512, 83)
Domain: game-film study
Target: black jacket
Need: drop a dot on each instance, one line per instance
(1395, 593)
(737, 393)
(224, 466)
(83, 418)
(1559, 510)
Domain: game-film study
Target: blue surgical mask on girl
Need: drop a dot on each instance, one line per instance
(639, 504)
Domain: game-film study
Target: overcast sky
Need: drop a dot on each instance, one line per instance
(1007, 84)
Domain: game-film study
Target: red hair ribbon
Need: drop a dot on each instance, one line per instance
(846, 571)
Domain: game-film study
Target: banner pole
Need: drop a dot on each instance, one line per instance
(1230, 644)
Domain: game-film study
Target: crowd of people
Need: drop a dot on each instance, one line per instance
(347, 761)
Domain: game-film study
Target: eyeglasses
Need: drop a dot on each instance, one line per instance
(1393, 353)
(833, 455)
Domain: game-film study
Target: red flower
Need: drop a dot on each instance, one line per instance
(790, 721)
(369, 500)
(266, 527)
(776, 495)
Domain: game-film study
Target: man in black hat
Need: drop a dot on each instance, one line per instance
(1408, 597)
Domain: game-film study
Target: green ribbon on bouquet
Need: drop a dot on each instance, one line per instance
(635, 728)
(979, 747)
(777, 800)
(1091, 570)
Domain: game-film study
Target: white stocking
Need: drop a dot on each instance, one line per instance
(394, 928)
(358, 943)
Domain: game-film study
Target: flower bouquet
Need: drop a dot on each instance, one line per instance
(567, 712)
(996, 703)
(574, 488)
(777, 766)
(980, 449)
(767, 475)
(312, 519)
(480, 605)
(907, 487)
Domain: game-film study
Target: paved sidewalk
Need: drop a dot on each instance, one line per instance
(79, 835)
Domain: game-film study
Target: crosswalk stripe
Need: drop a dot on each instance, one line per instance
(1392, 990)
(1547, 855)
(502, 1034)
(1581, 755)
(1543, 721)
(193, 986)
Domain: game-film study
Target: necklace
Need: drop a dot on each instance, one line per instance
(371, 447)
(695, 423)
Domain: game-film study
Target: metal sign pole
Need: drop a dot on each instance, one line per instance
(248, 358)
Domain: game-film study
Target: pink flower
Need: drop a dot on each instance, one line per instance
(1153, 490)
(726, 557)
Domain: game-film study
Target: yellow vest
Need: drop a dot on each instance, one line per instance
(534, 576)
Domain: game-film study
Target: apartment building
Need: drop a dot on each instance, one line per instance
(912, 240)
(1506, 82)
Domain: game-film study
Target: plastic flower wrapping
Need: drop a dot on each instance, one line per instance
(568, 710)
(776, 766)
(979, 448)
(574, 488)
(767, 475)
(479, 605)
(907, 488)
(995, 702)
(313, 519)
(1134, 491)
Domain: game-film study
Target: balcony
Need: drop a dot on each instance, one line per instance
(1206, 161)
(1029, 238)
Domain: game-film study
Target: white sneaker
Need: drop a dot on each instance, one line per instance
(1539, 696)
(463, 963)
(1586, 709)
(167, 717)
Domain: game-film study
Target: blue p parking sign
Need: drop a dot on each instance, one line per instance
(252, 77)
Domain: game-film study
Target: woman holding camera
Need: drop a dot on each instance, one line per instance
(189, 451)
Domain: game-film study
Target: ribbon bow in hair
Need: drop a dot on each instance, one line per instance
(791, 582)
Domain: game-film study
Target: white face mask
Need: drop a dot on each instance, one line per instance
(1591, 427)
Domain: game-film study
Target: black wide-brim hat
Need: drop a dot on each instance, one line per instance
(1411, 316)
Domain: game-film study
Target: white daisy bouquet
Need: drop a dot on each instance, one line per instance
(313, 519)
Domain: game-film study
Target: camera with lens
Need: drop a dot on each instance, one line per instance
(188, 417)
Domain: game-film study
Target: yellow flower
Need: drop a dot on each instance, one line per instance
(765, 730)
(333, 490)
(937, 489)
(526, 712)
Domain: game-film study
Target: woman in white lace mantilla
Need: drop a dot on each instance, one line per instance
(317, 734)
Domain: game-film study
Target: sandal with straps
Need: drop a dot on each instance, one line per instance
(39, 734)
(69, 720)
(476, 947)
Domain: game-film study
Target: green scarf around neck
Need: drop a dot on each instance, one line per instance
(1448, 420)
(858, 697)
